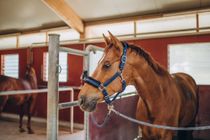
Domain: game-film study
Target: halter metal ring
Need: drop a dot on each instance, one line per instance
(121, 77)
(101, 87)
(123, 59)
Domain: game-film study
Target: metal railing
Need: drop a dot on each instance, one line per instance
(38, 91)
(15, 92)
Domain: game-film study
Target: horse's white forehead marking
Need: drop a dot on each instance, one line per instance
(102, 58)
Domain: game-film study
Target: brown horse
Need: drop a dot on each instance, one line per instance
(164, 99)
(26, 101)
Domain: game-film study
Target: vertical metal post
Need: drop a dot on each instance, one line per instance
(17, 41)
(197, 23)
(86, 66)
(86, 114)
(52, 96)
(86, 123)
(135, 28)
(72, 112)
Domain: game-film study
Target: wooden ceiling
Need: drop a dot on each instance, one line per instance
(27, 16)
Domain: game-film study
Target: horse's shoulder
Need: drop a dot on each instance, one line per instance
(26, 84)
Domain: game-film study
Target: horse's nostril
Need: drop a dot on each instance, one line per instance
(82, 100)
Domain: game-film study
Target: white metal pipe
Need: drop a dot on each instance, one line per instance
(90, 48)
(86, 125)
(15, 92)
(76, 103)
(73, 51)
(52, 96)
(68, 105)
(86, 66)
(72, 113)
(86, 114)
(60, 106)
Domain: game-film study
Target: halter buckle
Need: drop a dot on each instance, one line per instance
(84, 75)
(121, 77)
(123, 59)
(101, 87)
(110, 108)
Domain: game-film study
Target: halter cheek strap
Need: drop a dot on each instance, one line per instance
(102, 86)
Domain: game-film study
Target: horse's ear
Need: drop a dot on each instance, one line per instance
(115, 41)
(106, 39)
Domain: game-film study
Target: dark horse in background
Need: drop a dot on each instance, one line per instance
(164, 99)
(25, 101)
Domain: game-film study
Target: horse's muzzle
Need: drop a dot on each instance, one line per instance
(87, 103)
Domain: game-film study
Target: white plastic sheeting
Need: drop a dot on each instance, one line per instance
(66, 34)
(204, 19)
(166, 24)
(193, 59)
(122, 28)
(8, 42)
(28, 39)
(10, 65)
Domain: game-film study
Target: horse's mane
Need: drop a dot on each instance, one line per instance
(152, 63)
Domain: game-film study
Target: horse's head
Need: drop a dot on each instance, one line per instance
(89, 95)
(30, 71)
(31, 76)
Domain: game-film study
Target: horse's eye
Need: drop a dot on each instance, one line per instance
(106, 65)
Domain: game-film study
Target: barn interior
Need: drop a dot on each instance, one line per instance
(176, 33)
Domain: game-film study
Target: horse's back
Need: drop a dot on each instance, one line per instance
(9, 83)
(6, 83)
(188, 92)
(186, 83)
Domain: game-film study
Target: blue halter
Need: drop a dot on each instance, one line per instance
(102, 86)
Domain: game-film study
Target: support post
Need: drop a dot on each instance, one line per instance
(52, 96)
(86, 67)
(86, 114)
(72, 113)
(86, 123)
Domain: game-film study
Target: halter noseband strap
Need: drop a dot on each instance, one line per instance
(102, 86)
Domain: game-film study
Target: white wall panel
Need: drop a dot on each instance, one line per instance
(193, 59)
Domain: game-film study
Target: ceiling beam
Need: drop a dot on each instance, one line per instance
(66, 13)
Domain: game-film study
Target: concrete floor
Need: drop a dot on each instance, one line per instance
(9, 131)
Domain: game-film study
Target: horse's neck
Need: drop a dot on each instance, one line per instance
(147, 81)
(150, 86)
(32, 81)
